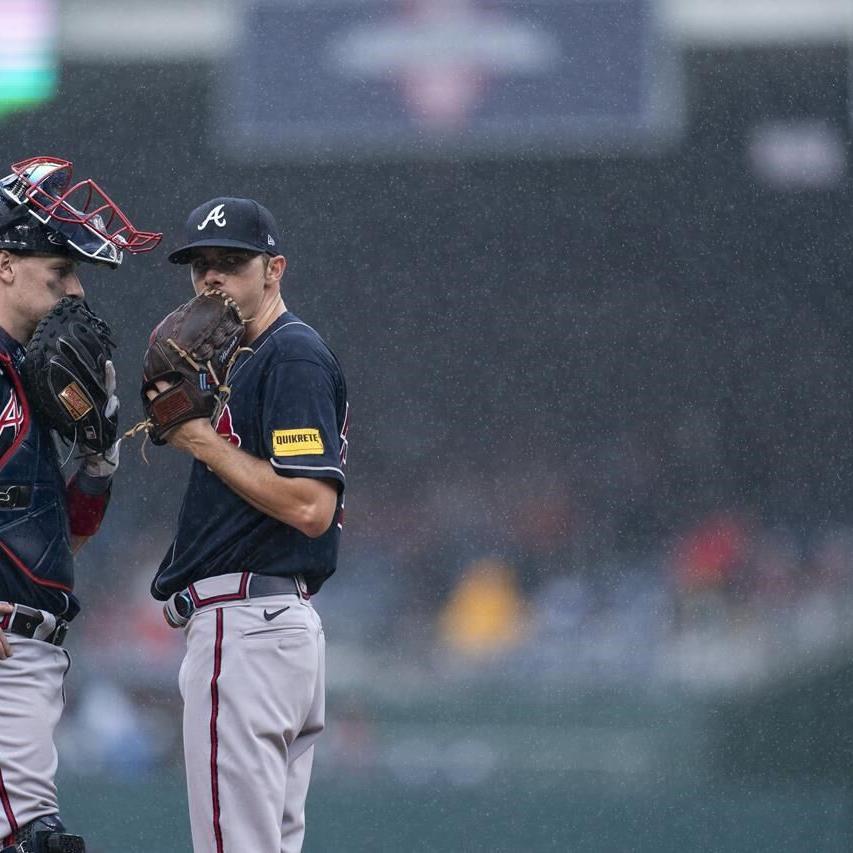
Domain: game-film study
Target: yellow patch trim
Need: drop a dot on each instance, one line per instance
(297, 442)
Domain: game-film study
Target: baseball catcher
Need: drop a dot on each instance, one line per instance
(56, 378)
(188, 361)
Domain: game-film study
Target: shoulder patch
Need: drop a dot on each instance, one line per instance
(297, 442)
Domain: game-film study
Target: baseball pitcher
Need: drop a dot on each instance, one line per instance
(259, 401)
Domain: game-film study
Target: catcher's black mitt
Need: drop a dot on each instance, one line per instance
(192, 351)
(68, 375)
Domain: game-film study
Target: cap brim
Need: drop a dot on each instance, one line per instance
(182, 255)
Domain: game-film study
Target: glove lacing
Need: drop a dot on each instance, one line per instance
(223, 389)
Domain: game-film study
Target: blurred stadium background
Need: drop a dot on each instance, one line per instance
(588, 267)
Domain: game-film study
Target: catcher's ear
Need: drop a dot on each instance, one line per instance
(7, 270)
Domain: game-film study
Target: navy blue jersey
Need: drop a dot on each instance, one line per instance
(289, 405)
(36, 564)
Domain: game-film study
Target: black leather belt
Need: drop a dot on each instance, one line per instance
(26, 622)
(261, 585)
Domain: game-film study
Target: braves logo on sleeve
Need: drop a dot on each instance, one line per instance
(344, 439)
(339, 518)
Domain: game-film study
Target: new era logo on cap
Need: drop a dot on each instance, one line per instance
(238, 223)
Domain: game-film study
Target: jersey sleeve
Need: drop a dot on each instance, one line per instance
(88, 498)
(300, 432)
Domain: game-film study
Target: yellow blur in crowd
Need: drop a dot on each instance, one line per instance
(485, 613)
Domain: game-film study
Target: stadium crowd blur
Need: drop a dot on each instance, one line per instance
(603, 420)
(701, 539)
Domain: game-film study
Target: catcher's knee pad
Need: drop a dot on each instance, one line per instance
(46, 835)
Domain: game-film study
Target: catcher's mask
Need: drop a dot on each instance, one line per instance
(48, 214)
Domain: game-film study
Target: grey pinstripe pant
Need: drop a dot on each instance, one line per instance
(254, 704)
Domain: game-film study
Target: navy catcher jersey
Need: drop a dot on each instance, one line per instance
(288, 404)
(36, 563)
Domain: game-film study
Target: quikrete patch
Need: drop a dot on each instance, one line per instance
(297, 442)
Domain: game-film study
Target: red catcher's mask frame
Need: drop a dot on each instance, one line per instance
(81, 212)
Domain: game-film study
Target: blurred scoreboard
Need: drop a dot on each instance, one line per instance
(342, 78)
(28, 61)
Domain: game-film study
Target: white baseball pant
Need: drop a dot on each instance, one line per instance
(31, 702)
(253, 685)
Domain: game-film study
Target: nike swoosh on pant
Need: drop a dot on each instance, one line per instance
(270, 616)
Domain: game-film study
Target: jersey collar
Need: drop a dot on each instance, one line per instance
(276, 324)
(13, 347)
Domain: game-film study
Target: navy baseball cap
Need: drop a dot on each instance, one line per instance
(231, 223)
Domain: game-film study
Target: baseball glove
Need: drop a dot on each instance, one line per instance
(69, 377)
(192, 351)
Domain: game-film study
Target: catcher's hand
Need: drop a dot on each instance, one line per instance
(69, 377)
(190, 354)
(5, 648)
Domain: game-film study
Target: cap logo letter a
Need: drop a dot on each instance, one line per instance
(217, 215)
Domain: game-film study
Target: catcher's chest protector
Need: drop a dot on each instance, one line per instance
(34, 533)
